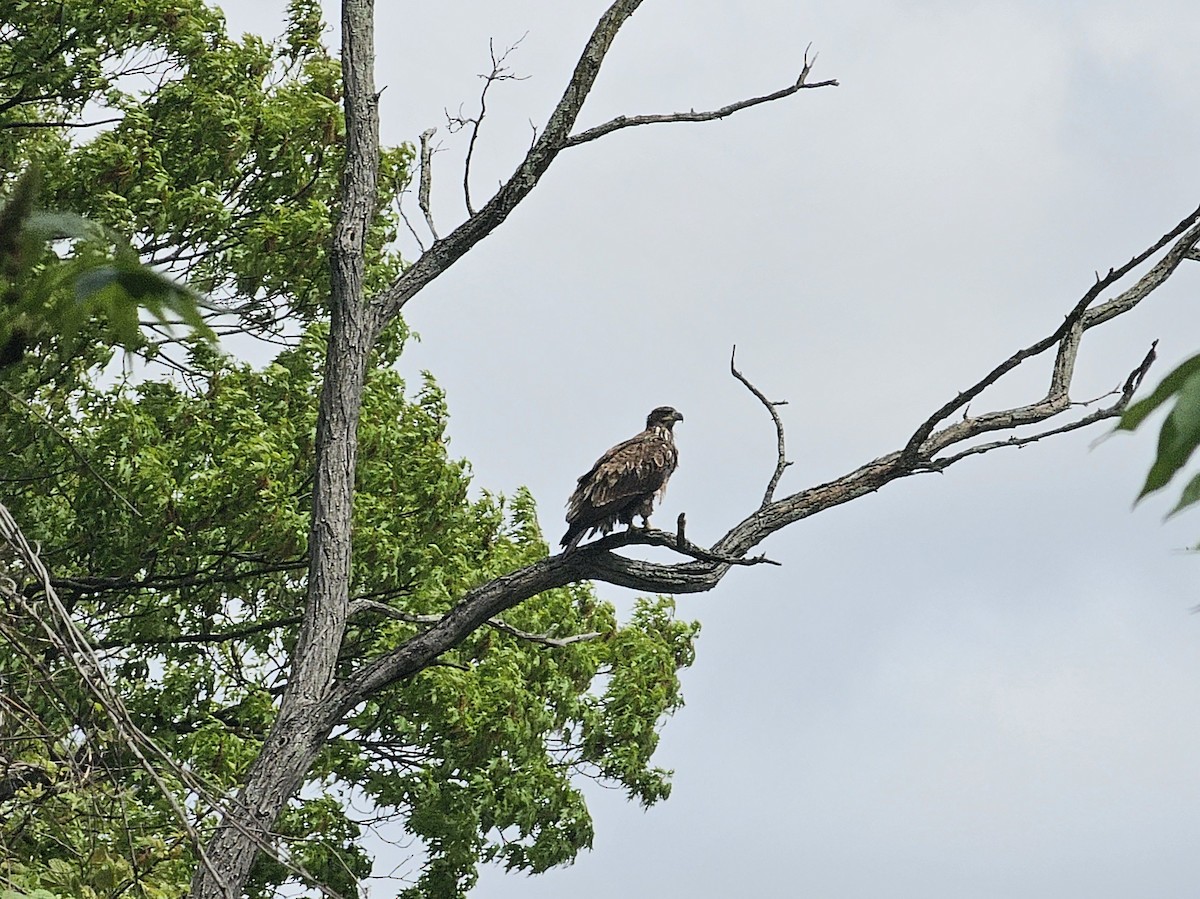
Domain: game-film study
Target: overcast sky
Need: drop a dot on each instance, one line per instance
(979, 684)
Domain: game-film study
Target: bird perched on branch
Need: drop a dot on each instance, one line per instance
(624, 481)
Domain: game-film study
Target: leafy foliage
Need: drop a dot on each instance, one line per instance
(45, 295)
(182, 546)
(1180, 432)
(225, 155)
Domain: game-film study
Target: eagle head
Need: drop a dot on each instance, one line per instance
(663, 416)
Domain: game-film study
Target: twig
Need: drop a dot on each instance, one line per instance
(408, 224)
(498, 73)
(1134, 381)
(781, 462)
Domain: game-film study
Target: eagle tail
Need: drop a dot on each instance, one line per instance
(571, 538)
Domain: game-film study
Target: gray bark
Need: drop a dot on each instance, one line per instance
(301, 728)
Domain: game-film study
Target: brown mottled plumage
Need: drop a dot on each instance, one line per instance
(622, 484)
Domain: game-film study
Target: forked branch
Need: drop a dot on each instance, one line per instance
(1067, 336)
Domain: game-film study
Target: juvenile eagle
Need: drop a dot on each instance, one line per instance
(624, 481)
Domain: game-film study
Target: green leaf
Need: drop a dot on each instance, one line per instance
(1179, 437)
(1191, 495)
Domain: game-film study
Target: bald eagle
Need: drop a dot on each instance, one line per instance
(624, 481)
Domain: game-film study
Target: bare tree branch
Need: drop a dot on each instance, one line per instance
(446, 251)
(781, 462)
(1124, 395)
(408, 224)
(499, 73)
(554, 137)
(622, 121)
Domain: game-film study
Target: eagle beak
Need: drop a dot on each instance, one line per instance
(678, 417)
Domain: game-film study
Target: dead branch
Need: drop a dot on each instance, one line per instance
(1134, 381)
(1067, 337)
(781, 463)
(499, 72)
(408, 224)
(1125, 394)
(622, 121)
(426, 183)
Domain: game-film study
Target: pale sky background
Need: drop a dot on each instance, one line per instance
(975, 685)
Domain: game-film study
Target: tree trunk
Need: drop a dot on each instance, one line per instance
(306, 714)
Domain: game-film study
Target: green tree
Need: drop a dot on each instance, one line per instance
(183, 556)
(175, 513)
(281, 568)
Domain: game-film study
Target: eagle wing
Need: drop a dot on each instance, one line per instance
(632, 471)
